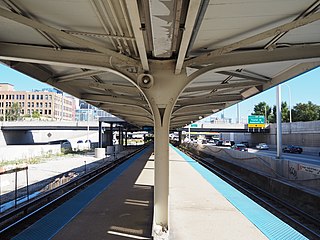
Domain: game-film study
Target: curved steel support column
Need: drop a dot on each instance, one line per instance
(162, 92)
(161, 178)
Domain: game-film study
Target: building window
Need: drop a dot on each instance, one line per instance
(32, 97)
(32, 104)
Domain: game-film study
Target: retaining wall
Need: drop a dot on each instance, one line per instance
(18, 152)
(303, 174)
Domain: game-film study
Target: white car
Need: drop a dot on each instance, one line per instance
(262, 146)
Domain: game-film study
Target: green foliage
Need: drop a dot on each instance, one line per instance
(36, 114)
(306, 112)
(13, 113)
(262, 109)
(301, 112)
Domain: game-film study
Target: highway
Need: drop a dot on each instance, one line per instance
(303, 157)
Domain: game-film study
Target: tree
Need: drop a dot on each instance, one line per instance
(13, 113)
(306, 112)
(285, 113)
(36, 114)
(262, 109)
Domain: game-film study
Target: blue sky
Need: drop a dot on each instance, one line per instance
(304, 88)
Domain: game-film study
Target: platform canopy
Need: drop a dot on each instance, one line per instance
(112, 53)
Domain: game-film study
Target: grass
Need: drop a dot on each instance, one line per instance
(32, 160)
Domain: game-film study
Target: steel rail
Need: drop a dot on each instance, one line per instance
(259, 195)
(19, 218)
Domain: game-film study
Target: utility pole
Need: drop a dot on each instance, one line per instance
(279, 123)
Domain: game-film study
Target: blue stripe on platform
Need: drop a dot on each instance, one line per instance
(271, 226)
(53, 222)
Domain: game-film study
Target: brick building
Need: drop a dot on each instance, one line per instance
(51, 105)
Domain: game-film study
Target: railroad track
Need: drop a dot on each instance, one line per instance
(14, 221)
(306, 224)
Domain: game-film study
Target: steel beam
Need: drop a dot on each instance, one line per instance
(245, 76)
(75, 76)
(188, 30)
(222, 86)
(208, 100)
(66, 58)
(128, 108)
(118, 100)
(58, 33)
(15, 8)
(208, 58)
(189, 109)
(251, 57)
(133, 11)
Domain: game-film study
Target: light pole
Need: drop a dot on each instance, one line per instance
(289, 102)
(279, 123)
(88, 123)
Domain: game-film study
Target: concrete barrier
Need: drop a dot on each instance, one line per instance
(118, 148)
(100, 152)
(301, 173)
(110, 150)
(23, 152)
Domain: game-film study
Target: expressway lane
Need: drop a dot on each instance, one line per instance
(304, 158)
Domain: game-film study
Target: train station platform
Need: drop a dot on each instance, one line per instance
(120, 206)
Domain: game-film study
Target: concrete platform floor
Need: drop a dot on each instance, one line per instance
(198, 211)
(124, 210)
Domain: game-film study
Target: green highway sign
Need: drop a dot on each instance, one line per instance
(194, 125)
(256, 119)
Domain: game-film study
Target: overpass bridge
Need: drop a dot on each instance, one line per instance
(94, 126)
(161, 63)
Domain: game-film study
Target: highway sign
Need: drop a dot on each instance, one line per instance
(256, 119)
(260, 125)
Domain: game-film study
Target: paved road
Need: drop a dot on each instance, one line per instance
(304, 157)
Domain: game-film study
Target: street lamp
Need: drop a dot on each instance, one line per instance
(87, 122)
(289, 102)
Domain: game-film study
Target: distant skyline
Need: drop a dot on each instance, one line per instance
(304, 88)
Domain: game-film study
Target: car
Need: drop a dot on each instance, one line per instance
(245, 143)
(240, 147)
(292, 149)
(212, 141)
(262, 146)
(66, 146)
(219, 143)
(87, 144)
(228, 143)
